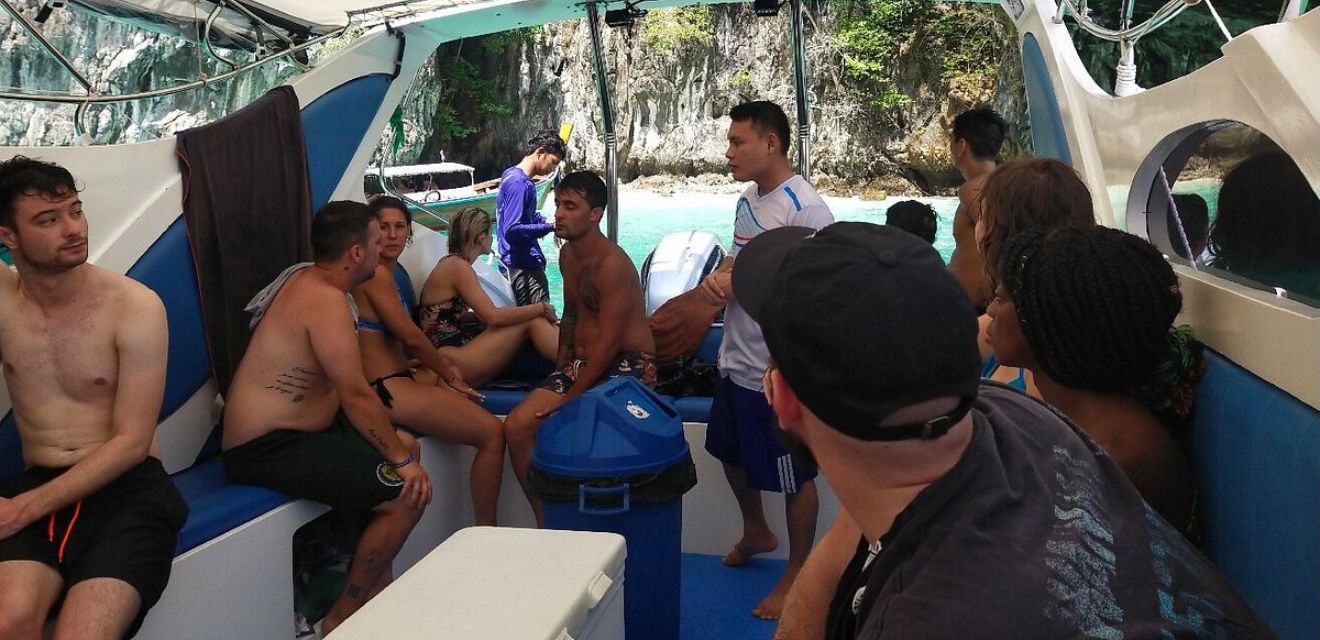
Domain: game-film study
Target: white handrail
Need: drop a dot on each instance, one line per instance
(1158, 19)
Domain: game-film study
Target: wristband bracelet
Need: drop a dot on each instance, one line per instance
(406, 461)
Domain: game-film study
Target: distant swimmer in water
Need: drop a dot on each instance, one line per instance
(94, 518)
(914, 217)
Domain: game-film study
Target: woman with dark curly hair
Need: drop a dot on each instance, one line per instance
(1090, 313)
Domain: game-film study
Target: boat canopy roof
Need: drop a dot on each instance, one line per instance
(243, 23)
(312, 17)
(421, 169)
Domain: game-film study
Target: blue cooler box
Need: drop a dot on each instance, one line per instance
(615, 460)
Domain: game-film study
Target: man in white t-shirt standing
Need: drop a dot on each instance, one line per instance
(741, 433)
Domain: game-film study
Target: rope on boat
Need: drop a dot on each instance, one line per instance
(1082, 14)
(1173, 210)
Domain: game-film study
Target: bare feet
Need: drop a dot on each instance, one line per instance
(749, 546)
(771, 605)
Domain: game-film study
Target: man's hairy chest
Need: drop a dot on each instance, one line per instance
(71, 356)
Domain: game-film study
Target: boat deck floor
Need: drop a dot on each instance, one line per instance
(717, 600)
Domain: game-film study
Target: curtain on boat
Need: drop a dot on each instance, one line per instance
(247, 206)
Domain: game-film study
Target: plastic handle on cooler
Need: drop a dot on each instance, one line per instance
(598, 588)
(584, 491)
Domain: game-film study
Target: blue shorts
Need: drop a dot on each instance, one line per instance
(741, 434)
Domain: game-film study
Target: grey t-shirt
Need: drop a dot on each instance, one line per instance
(1034, 533)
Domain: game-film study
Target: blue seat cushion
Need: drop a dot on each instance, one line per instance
(501, 401)
(710, 345)
(529, 366)
(1256, 460)
(694, 408)
(215, 505)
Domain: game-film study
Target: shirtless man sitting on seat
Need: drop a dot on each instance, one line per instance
(300, 417)
(603, 333)
(94, 514)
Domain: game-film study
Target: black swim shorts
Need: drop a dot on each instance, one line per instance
(530, 286)
(334, 466)
(128, 531)
(632, 364)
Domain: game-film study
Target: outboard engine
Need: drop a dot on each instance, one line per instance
(678, 264)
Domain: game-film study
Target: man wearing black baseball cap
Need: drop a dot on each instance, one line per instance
(983, 513)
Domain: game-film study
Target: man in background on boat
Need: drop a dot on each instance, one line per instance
(976, 139)
(519, 226)
(300, 417)
(603, 332)
(975, 511)
(741, 433)
(94, 515)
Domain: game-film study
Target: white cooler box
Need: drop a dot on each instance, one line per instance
(494, 583)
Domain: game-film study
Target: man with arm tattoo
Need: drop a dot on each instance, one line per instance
(300, 417)
(603, 333)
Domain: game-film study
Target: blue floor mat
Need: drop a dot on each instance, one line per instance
(717, 600)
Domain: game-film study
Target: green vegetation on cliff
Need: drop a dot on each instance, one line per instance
(670, 30)
(878, 38)
(466, 95)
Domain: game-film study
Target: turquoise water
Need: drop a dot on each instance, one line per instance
(645, 218)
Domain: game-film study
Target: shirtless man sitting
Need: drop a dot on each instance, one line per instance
(300, 417)
(84, 358)
(603, 333)
(976, 138)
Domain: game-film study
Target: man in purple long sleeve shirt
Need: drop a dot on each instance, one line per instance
(519, 226)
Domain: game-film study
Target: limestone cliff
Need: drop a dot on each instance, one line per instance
(675, 75)
(673, 92)
(118, 58)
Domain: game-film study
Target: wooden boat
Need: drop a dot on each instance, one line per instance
(433, 208)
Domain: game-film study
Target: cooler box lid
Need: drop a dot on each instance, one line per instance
(620, 428)
(497, 583)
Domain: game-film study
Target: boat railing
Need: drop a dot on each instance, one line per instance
(92, 96)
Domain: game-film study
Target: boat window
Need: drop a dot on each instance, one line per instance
(1230, 201)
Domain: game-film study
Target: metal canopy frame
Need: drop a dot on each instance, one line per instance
(607, 119)
(800, 94)
(92, 96)
(606, 99)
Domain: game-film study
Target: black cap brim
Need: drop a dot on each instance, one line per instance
(757, 265)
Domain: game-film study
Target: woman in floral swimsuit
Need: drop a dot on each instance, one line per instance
(460, 319)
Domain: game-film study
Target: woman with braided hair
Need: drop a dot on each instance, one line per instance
(1039, 194)
(1090, 313)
